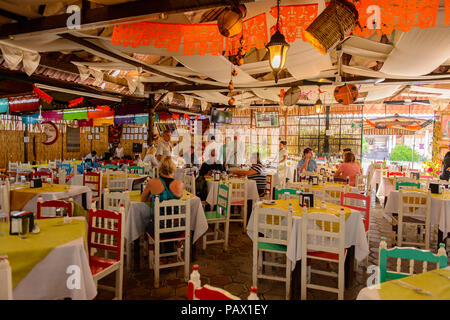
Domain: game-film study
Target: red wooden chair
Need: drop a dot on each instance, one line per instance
(106, 233)
(93, 180)
(207, 292)
(50, 209)
(41, 174)
(396, 174)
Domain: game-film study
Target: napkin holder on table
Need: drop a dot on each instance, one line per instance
(36, 183)
(16, 218)
(309, 196)
(314, 180)
(435, 188)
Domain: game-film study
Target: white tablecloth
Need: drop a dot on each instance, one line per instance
(48, 279)
(385, 188)
(138, 217)
(355, 235)
(252, 191)
(75, 192)
(439, 211)
(376, 179)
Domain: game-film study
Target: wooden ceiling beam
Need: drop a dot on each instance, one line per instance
(108, 15)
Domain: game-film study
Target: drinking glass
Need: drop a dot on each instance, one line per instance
(23, 232)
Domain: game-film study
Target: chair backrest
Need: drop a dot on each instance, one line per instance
(67, 167)
(62, 176)
(93, 180)
(238, 189)
(189, 183)
(25, 167)
(13, 166)
(174, 216)
(411, 254)
(53, 209)
(332, 193)
(323, 232)
(406, 185)
(80, 168)
(106, 232)
(136, 170)
(358, 202)
(362, 183)
(109, 167)
(395, 174)
(116, 180)
(280, 192)
(114, 200)
(224, 200)
(272, 225)
(52, 165)
(305, 186)
(5, 197)
(41, 174)
(269, 185)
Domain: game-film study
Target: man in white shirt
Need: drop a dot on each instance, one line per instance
(119, 152)
(282, 160)
(165, 147)
(91, 156)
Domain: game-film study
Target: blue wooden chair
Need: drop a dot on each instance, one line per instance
(411, 254)
(81, 168)
(67, 167)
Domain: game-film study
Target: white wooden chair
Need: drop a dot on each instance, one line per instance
(52, 165)
(323, 238)
(332, 193)
(5, 197)
(116, 180)
(220, 216)
(106, 233)
(25, 167)
(362, 183)
(413, 210)
(6, 292)
(271, 233)
(113, 201)
(170, 216)
(189, 183)
(306, 187)
(13, 166)
(62, 175)
(239, 195)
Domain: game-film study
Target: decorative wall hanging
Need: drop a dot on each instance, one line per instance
(100, 112)
(73, 139)
(24, 104)
(229, 21)
(30, 118)
(114, 133)
(4, 105)
(75, 114)
(52, 115)
(42, 95)
(346, 94)
(50, 132)
(128, 119)
(254, 35)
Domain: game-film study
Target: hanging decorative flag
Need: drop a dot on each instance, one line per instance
(186, 117)
(254, 35)
(86, 123)
(128, 119)
(30, 119)
(175, 116)
(294, 20)
(156, 117)
(143, 118)
(100, 112)
(24, 104)
(196, 118)
(101, 121)
(4, 105)
(75, 114)
(52, 115)
(42, 95)
(75, 102)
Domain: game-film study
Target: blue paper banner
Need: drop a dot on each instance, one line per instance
(4, 105)
(141, 118)
(30, 118)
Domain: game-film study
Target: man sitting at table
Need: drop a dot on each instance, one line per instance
(256, 172)
(166, 187)
(92, 157)
(307, 163)
(210, 165)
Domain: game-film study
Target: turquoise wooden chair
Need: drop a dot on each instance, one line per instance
(411, 254)
(67, 167)
(220, 215)
(136, 170)
(407, 184)
(110, 166)
(279, 192)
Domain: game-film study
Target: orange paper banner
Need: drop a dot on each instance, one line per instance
(201, 39)
(254, 33)
(294, 20)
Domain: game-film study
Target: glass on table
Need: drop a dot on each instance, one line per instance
(3, 224)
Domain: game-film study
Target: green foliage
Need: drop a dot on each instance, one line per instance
(365, 146)
(403, 153)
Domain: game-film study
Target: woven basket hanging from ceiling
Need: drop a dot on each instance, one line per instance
(331, 26)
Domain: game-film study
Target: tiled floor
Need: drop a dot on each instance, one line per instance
(232, 270)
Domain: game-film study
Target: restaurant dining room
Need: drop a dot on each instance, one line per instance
(225, 150)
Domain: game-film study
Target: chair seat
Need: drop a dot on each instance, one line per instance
(213, 215)
(237, 203)
(325, 255)
(98, 264)
(272, 246)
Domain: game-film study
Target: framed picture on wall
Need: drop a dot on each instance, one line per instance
(88, 129)
(102, 129)
(97, 137)
(140, 136)
(89, 137)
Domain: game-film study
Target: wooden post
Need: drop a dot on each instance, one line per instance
(151, 118)
(326, 143)
(25, 147)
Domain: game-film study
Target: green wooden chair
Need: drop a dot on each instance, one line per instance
(136, 170)
(280, 192)
(109, 167)
(411, 254)
(407, 184)
(220, 215)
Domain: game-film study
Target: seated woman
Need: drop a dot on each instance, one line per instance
(166, 187)
(151, 158)
(256, 172)
(349, 168)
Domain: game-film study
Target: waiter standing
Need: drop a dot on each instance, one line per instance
(165, 146)
(282, 160)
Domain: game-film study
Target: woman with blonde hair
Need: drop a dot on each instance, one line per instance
(151, 158)
(165, 187)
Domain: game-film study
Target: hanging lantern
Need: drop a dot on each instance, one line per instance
(277, 48)
(346, 94)
(230, 21)
(234, 73)
(332, 25)
(230, 85)
(231, 101)
(318, 106)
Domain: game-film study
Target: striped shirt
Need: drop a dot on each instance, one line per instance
(259, 177)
